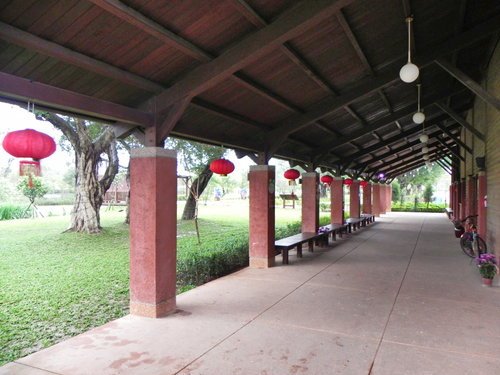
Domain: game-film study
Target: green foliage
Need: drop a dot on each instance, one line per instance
(412, 182)
(32, 188)
(396, 191)
(421, 207)
(194, 156)
(428, 192)
(11, 212)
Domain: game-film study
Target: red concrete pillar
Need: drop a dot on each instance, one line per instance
(463, 198)
(388, 206)
(310, 202)
(470, 196)
(376, 200)
(261, 237)
(451, 196)
(383, 198)
(367, 198)
(456, 199)
(354, 207)
(153, 226)
(482, 209)
(337, 201)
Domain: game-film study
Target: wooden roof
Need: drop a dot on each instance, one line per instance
(316, 82)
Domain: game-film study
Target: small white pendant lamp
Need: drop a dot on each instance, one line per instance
(409, 72)
(419, 116)
(425, 150)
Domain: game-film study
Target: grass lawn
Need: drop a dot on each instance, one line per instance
(55, 285)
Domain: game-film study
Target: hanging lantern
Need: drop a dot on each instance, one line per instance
(348, 181)
(291, 175)
(29, 143)
(222, 166)
(363, 183)
(326, 179)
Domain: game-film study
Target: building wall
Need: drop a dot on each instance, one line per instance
(486, 119)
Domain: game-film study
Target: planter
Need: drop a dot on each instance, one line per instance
(487, 282)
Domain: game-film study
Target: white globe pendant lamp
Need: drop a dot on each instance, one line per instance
(419, 116)
(425, 157)
(424, 138)
(409, 72)
(425, 150)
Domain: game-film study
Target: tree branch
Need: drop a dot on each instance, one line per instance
(63, 126)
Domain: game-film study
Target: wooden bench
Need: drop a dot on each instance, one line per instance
(369, 218)
(356, 223)
(334, 229)
(297, 240)
(289, 197)
(449, 212)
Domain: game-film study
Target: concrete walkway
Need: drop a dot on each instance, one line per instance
(398, 297)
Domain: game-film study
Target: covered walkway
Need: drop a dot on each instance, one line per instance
(397, 297)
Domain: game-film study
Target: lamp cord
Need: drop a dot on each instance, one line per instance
(408, 21)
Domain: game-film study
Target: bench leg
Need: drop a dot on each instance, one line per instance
(284, 254)
(311, 246)
(299, 250)
(334, 236)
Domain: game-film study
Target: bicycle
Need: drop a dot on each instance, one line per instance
(470, 242)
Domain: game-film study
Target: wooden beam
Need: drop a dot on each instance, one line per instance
(171, 118)
(385, 121)
(32, 42)
(469, 83)
(457, 154)
(455, 116)
(59, 99)
(370, 85)
(288, 25)
(393, 152)
(456, 139)
(354, 41)
(133, 17)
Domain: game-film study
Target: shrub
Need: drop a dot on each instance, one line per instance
(11, 212)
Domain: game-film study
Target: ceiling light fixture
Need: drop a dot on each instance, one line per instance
(425, 150)
(409, 72)
(419, 116)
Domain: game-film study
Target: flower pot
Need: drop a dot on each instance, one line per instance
(487, 282)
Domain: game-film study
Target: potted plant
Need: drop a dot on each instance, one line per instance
(487, 264)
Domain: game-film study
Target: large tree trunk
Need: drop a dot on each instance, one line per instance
(89, 190)
(195, 191)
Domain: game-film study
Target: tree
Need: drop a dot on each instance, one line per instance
(396, 191)
(428, 192)
(89, 141)
(195, 158)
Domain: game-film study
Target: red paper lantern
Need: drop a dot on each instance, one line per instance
(222, 166)
(348, 181)
(326, 179)
(29, 143)
(291, 175)
(363, 183)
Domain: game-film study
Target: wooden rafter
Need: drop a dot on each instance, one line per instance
(372, 84)
(455, 116)
(291, 23)
(55, 98)
(469, 83)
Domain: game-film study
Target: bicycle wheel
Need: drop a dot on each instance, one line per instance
(481, 245)
(466, 245)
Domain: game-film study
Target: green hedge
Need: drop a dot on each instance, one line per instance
(216, 257)
(421, 207)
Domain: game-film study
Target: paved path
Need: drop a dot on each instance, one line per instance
(397, 297)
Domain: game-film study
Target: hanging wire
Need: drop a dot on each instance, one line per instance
(418, 88)
(408, 21)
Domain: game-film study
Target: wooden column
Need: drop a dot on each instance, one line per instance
(482, 209)
(376, 200)
(337, 201)
(354, 209)
(310, 202)
(153, 231)
(367, 198)
(261, 237)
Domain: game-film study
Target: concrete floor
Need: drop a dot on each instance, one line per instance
(398, 297)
